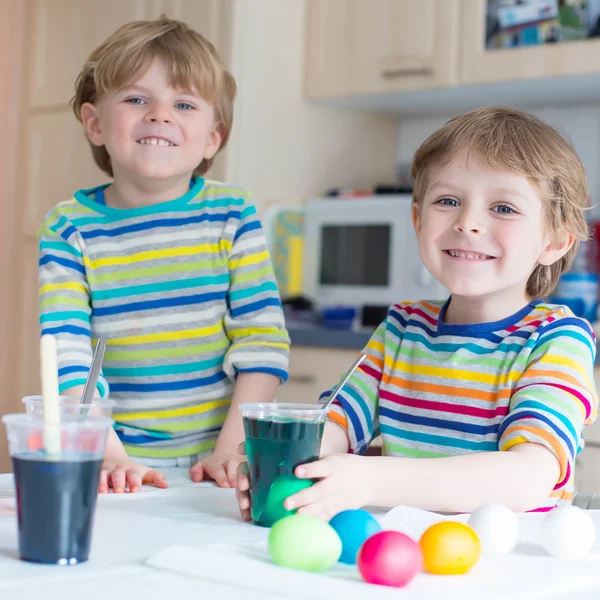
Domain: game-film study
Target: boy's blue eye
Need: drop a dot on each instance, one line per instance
(503, 209)
(136, 101)
(184, 106)
(448, 202)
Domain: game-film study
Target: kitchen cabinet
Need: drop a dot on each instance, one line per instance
(419, 56)
(355, 47)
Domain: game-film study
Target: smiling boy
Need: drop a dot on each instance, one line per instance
(482, 398)
(171, 268)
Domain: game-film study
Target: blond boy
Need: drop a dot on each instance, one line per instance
(170, 267)
(494, 386)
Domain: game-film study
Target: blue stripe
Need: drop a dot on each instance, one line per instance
(269, 286)
(68, 232)
(61, 247)
(190, 207)
(283, 375)
(438, 440)
(255, 306)
(574, 335)
(65, 315)
(168, 386)
(65, 262)
(167, 223)
(354, 423)
(160, 303)
(64, 371)
(137, 440)
(402, 417)
(210, 363)
(518, 414)
(72, 329)
(538, 406)
(255, 225)
(161, 286)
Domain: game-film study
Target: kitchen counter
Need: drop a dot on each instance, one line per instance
(313, 335)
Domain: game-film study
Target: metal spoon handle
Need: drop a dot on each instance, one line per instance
(341, 385)
(90, 384)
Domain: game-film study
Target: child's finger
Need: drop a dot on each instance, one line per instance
(242, 449)
(197, 472)
(134, 480)
(314, 494)
(314, 470)
(103, 482)
(219, 475)
(243, 499)
(117, 479)
(324, 510)
(155, 478)
(243, 481)
(231, 470)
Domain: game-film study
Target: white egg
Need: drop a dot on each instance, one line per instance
(567, 532)
(497, 528)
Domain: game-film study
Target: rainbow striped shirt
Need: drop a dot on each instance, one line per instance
(433, 389)
(185, 295)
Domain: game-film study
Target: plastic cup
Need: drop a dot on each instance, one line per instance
(279, 437)
(56, 493)
(71, 406)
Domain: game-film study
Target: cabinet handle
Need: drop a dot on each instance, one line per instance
(392, 67)
(302, 378)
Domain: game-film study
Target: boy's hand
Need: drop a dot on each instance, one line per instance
(129, 473)
(346, 482)
(220, 466)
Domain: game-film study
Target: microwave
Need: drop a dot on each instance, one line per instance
(364, 252)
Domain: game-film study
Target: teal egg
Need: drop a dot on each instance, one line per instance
(304, 543)
(283, 487)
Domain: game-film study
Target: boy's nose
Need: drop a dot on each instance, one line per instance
(468, 223)
(159, 115)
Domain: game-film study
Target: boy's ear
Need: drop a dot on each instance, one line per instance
(416, 217)
(91, 123)
(214, 140)
(556, 249)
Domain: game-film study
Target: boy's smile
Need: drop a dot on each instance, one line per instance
(482, 233)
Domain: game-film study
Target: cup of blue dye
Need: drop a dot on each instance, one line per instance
(56, 491)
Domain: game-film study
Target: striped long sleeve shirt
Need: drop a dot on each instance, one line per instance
(434, 389)
(185, 295)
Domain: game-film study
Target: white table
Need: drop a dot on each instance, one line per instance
(131, 528)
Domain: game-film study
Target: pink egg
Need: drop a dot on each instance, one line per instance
(389, 558)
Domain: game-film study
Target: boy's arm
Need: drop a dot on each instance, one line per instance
(257, 359)
(65, 305)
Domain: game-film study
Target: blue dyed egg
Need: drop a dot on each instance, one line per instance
(354, 527)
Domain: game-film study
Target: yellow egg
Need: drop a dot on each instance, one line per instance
(449, 548)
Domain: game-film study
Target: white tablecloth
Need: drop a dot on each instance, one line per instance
(189, 542)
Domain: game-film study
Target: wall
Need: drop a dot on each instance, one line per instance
(282, 148)
(580, 124)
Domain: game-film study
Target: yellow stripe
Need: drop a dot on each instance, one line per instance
(251, 259)
(248, 331)
(514, 442)
(73, 286)
(169, 452)
(453, 374)
(565, 361)
(167, 336)
(269, 344)
(175, 412)
(151, 255)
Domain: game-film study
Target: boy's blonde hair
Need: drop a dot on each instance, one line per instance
(191, 60)
(514, 141)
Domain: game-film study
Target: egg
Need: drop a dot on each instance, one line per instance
(389, 558)
(304, 543)
(497, 528)
(282, 487)
(449, 548)
(354, 527)
(567, 532)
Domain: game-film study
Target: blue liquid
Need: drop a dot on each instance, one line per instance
(56, 501)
